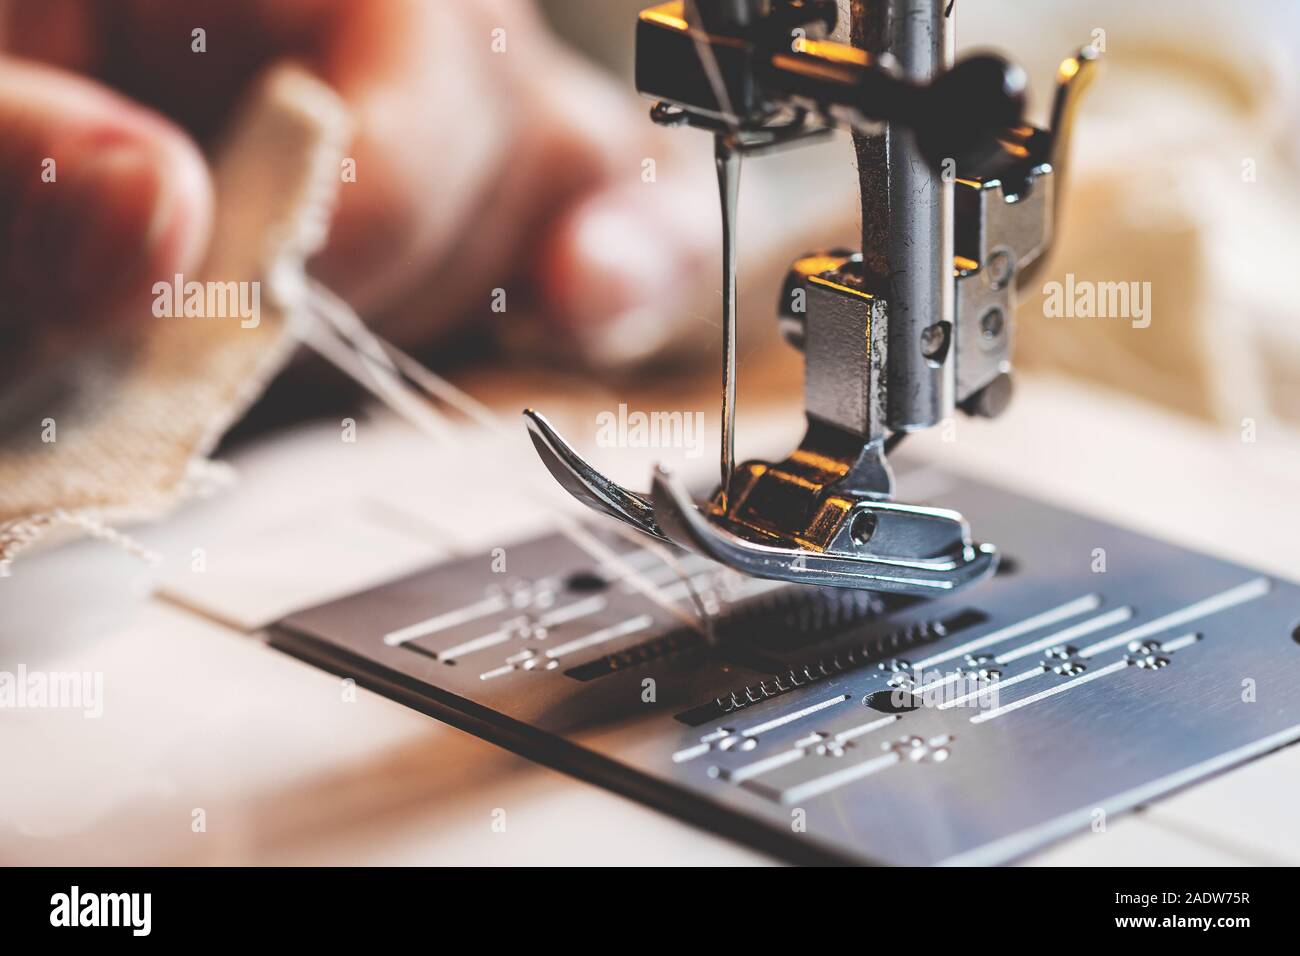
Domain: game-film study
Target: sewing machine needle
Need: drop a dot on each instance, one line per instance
(727, 160)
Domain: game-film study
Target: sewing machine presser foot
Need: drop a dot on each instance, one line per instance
(798, 521)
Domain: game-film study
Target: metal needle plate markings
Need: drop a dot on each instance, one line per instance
(1050, 691)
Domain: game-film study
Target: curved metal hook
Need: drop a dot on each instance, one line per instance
(576, 475)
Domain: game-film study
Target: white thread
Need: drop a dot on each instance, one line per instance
(17, 536)
(384, 371)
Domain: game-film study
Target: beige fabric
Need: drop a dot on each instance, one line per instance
(134, 418)
(1182, 177)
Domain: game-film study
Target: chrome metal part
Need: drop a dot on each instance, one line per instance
(845, 348)
(1005, 226)
(801, 520)
(712, 67)
(1005, 234)
(728, 159)
(884, 547)
(584, 482)
(907, 213)
(893, 336)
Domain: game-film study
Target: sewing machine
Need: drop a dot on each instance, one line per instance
(1071, 707)
(797, 661)
(958, 208)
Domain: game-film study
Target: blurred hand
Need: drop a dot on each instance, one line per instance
(475, 168)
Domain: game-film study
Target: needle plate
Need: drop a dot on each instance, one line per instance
(1097, 671)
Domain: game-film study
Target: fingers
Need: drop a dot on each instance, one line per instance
(624, 268)
(617, 258)
(431, 112)
(433, 125)
(98, 198)
(567, 197)
(62, 33)
(485, 153)
(623, 261)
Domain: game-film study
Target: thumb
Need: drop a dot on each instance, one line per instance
(99, 198)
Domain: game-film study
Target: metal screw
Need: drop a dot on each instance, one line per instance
(992, 324)
(934, 342)
(1001, 269)
(863, 527)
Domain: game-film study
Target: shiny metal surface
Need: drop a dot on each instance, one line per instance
(845, 346)
(740, 75)
(886, 350)
(1006, 233)
(911, 550)
(908, 219)
(584, 482)
(802, 520)
(1005, 228)
(727, 159)
(969, 728)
